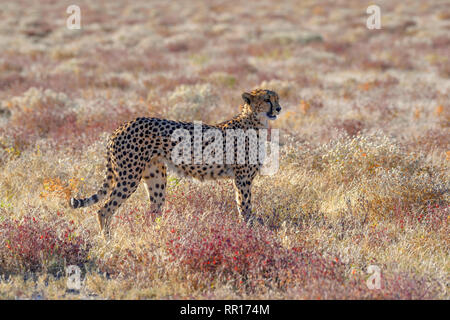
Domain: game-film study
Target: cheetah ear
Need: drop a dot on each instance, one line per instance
(247, 97)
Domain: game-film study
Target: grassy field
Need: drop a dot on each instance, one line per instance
(364, 148)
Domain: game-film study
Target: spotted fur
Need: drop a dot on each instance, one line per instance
(142, 149)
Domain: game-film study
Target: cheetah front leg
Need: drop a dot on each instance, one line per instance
(242, 185)
(155, 180)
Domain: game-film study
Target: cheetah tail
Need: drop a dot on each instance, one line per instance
(104, 190)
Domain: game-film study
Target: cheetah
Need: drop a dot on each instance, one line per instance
(144, 148)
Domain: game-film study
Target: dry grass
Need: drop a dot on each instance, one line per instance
(363, 176)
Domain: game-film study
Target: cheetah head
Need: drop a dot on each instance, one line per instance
(263, 102)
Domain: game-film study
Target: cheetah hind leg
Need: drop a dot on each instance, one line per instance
(122, 190)
(155, 181)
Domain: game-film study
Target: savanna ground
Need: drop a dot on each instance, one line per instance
(363, 177)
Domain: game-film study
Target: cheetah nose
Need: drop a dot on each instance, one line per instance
(278, 109)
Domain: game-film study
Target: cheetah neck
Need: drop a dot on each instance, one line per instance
(247, 119)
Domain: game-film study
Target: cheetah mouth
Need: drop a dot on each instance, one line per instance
(271, 116)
